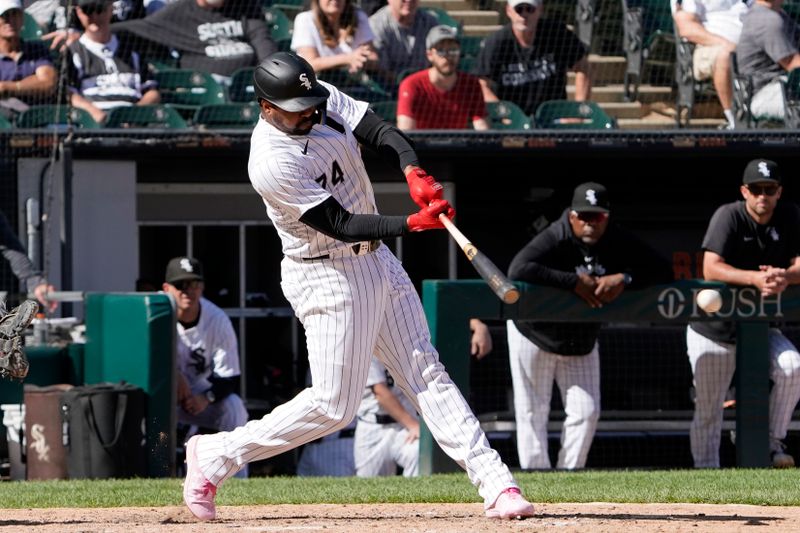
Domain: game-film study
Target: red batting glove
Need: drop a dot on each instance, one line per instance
(428, 216)
(422, 187)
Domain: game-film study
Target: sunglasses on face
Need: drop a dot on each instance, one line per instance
(524, 9)
(94, 9)
(450, 52)
(591, 216)
(758, 190)
(185, 285)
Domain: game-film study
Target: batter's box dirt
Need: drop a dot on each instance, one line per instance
(410, 518)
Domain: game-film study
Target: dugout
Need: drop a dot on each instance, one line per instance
(134, 198)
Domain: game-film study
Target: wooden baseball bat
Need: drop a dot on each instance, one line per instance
(497, 281)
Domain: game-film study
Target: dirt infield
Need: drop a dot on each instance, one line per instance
(409, 518)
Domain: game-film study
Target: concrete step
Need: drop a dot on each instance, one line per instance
(605, 70)
(448, 5)
(476, 18)
(655, 121)
(616, 93)
(481, 30)
(620, 110)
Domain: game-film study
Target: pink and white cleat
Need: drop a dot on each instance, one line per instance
(510, 504)
(198, 492)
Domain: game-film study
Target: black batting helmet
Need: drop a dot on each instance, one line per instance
(288, 81)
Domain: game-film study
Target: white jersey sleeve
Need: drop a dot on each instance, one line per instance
(304, 33)
(351, 110)
(377, 373)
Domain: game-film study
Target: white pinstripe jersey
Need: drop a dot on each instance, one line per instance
(294, 173)
(209, 348)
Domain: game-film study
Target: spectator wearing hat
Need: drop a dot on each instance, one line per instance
(584, 253)
(400, 30)
(753, 242)
(526, 61)
(440, 97)
(106, 70)
(766, 52)
(207, 353)
(27, 76)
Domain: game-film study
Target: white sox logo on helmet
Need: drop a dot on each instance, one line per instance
(304, 81)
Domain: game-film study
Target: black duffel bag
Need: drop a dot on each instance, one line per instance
(105, 431)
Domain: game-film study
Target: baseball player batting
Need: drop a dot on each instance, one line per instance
(347, 289)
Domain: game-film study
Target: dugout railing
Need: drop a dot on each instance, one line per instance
(450, 304)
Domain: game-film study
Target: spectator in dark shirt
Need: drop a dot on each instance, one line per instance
(583, 253)
(526, 61)
(106, 71)
(27, 76)
(215, 36)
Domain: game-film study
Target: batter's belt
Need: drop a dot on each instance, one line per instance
(359, 248)
(378, 419)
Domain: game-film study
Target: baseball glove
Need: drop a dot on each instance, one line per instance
(13, 362)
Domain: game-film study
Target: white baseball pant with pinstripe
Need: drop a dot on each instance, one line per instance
(361, 304)
(578, 378)
(713, 364)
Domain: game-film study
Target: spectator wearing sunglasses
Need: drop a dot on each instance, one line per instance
(207, 353)
(441, 97)
(753, 242)
(526, 61)
(581, 252)
(106, 70)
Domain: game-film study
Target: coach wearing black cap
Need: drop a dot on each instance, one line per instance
(207, 353)
(581, 252)
(752, 242)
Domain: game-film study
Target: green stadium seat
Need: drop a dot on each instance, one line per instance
(5, 123)
(358, 85)
(470, 45)
(31, 31)
(145, 116)
(227, 116)
(54, 116)
(648, 42)
(386, 110)
(241, 89)
(466, 64)
(568, 114)
(443, 17)
(504, 115)
(189, 88)
(279, 25)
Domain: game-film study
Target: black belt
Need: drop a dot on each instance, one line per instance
(348, 433)
(380, 419)
(370, 247)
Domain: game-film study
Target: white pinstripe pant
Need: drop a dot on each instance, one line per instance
(713, 364)
(578, 378)
(352, 307)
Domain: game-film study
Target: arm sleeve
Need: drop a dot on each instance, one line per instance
(14, 253)
(363, 32)
(717, 235)
(386, 139)
(527, 264)
(223, 387)
(377, 373)
(302, 31)
(405, 98)
(333, 220)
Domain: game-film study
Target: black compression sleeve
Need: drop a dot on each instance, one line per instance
(386, 139)
(332, 219)
(223, 387)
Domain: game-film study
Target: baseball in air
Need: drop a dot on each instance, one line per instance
(709, 300)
